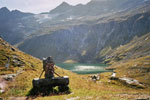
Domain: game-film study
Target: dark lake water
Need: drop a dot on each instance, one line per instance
(84, 68)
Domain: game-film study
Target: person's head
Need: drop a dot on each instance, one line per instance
(49, 58)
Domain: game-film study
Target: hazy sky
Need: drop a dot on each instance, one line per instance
(36, 6)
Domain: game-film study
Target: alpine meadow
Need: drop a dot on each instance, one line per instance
(94, 51)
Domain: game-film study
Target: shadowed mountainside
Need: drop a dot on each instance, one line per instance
(84, 42)
(71, 33)
(21, 85)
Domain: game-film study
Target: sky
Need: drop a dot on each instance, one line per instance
(36, 6)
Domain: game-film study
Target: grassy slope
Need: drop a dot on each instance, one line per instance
(81, 86)
(133, 59)
(31, 68)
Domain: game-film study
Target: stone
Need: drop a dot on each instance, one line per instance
(113, 76)
(2, 91)
(95, 77)
(19, 71)
(131, 82)
(1, 98)
(74, 98)
(9, 77)
(18, 62)
(55, 81)
(13, 49)
(143, 99)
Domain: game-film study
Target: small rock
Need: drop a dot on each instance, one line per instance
(9, 77)
(146, 38)
(19, 71)
(88, 98)
(3, 44)
(2, 91)
(146, 63)
(75, 98)
(135, 65)
(13, 49)
(1, 98)
(113, 76)
(17, 61)
(95, 77)
(32, 66)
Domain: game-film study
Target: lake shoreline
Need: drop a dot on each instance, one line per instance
(81, 68)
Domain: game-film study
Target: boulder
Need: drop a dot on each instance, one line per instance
(113, 76)
(131, 82)
(55, 81)
(95, 77)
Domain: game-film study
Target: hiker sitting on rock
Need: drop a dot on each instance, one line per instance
(48, 66)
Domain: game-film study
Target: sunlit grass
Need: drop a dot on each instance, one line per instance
(81, 86)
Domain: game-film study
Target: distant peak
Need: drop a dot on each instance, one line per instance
(61, 8)
(16, 11)
(64, 4)
(98, 0)
(4, 9)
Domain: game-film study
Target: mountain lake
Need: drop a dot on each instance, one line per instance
(80, 68)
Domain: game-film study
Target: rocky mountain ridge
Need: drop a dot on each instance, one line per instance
(60, 35)
(90, 39)
(11, 27)
(95, 7)
(138, 47)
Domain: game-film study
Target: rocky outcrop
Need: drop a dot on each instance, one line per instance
(127, 81)
(131, 82)
(93, 8)
(10, 77)
(84, 42)
(138, 47)
(132, 60)
(15, 25)
(79, 33)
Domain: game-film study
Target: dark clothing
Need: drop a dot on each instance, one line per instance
(48, 66)
(49, 75)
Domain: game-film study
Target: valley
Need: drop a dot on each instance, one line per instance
(102, 46)
(82, 86)
(52, 33)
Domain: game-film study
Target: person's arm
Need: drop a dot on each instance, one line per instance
(44, 65)
(55, 67)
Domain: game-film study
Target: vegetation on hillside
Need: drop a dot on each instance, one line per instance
(82, 86)
(132, 60)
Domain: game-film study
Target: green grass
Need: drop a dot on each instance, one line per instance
(80, 86)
